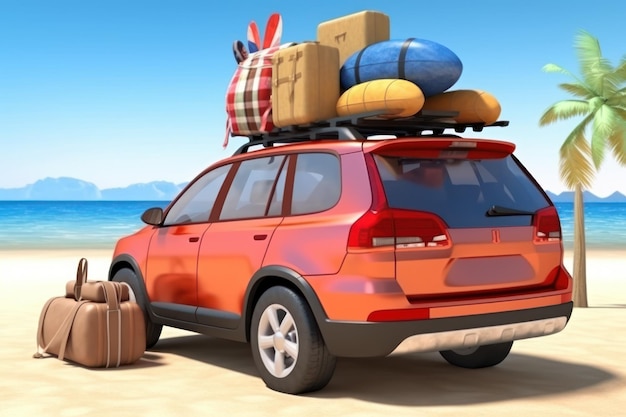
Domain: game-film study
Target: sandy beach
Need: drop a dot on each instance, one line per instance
(578, 372)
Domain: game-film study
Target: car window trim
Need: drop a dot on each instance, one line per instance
(289, 181)
(268, 203)
(221, 196)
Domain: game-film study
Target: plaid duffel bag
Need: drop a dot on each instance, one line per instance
(248, 99)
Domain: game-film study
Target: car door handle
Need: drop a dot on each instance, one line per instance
(260, 237)
(194, 239)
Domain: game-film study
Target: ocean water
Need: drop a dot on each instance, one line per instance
(69, 224)
(99, 224)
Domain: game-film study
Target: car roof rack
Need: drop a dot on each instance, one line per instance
(360, 126)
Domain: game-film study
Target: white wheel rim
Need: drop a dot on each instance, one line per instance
(278, 342)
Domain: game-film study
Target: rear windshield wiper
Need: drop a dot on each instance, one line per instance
(507, 211)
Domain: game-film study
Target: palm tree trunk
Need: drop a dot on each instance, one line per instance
(580, 258)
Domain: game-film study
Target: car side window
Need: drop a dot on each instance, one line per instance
(195, 205)
(317, 183)
(251, 190)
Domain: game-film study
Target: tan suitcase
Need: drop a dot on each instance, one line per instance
(305, 84)
(354, 32)
(95, 324)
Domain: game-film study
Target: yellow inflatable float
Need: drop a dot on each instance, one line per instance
(395, 98)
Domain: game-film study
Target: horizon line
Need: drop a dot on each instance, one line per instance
(184, 183)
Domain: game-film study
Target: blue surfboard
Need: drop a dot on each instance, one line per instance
(430, 65)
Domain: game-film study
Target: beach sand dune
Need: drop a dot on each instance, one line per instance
(578, 372)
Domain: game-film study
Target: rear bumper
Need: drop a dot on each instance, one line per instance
(369, 339)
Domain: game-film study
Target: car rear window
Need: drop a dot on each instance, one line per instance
(461, 191)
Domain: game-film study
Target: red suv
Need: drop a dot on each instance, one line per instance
(324, 248)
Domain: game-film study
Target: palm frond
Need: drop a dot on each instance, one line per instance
(594, 68)
(620, 70)
(578, 90)
(605, 123)
(558, 69)
(578, 131)
(595, 103)
(618, 99)
(617, 142)
(564, 109)
(610, 85)
(621, 113)
(614, 81)
(587, 48)
(575, 167)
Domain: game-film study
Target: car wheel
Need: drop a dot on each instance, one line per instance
(478, 356)
(128, 277)
(287, 346)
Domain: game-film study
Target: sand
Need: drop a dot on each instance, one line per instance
(578, 372)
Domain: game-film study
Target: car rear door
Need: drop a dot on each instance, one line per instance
(469, 219)
(232, 249)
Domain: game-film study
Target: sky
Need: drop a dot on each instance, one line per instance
(117, 92)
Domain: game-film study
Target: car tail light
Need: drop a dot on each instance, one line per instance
(399, 228)
(547, 227)
(384, 226)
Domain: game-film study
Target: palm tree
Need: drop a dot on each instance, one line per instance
(600, 99)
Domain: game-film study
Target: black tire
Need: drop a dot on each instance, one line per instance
(313, 366)
(153, 331)
(479, 357)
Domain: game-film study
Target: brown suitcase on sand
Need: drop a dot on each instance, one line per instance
(354, 32)
(95, 324)
(305, 84)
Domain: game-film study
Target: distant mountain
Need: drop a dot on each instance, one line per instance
(62, 188)
(616, 197)
(588, 197)
(65, 188)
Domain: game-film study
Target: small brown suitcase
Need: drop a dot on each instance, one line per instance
(95, 324)
(354, 32)
(305, 84)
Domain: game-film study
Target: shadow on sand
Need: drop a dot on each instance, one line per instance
(424, 379)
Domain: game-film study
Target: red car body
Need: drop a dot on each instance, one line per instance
(421, 244)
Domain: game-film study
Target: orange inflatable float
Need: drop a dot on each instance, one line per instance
(474, 106)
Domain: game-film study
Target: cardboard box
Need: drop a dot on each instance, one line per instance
(305, 84)
(354, 32)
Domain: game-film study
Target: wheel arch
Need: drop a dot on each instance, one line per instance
(124, 261)
(274, 275)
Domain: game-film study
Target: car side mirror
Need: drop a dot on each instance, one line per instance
(153, 216)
